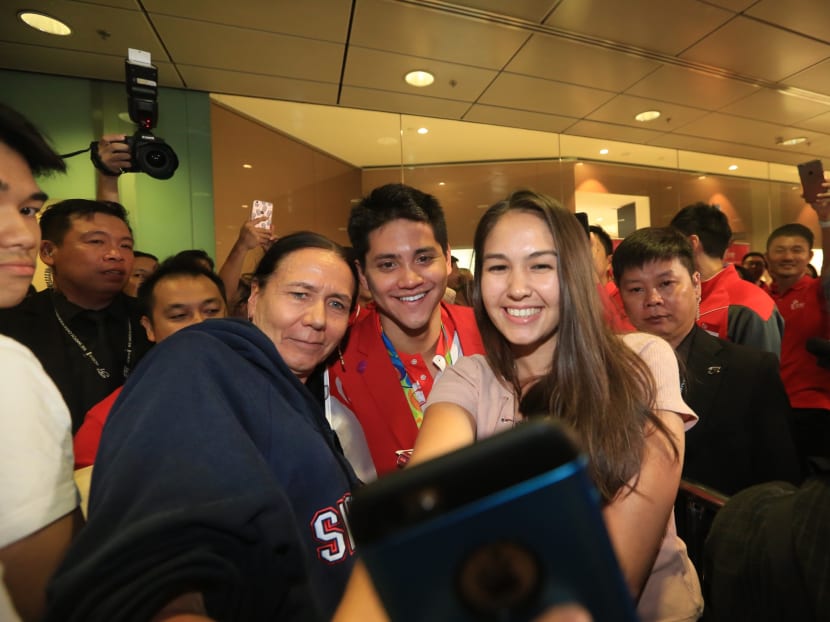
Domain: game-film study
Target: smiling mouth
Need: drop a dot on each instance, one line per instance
(413, 298)
(526, 312)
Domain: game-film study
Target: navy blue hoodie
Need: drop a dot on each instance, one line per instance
(217, 473)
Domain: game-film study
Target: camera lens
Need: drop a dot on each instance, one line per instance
(154, 156)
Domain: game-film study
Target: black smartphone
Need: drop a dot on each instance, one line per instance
(500, 530)
(812, 178)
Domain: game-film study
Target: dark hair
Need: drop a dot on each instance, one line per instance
(196, 254)
(294, 242)
(22, 137)
(57, 219)
(138, 254)
(603, 237)
(652, 244)
(709, 224)
(794, 230)
(596, 383)
(755, 254)
(173, 267)
(743, 273)
(391, 202)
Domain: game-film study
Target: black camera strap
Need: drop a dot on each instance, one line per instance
(96, 160)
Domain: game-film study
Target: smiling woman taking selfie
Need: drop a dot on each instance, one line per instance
(550, 353)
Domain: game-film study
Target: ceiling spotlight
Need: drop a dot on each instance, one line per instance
(247, 166)
(701, 177)
(648, 115)
(419, 78)
(44, 23)
(423, 130)
(733, 167)
(603, 151)
(789, 142)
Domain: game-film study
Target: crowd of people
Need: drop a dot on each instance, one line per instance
(224, 420)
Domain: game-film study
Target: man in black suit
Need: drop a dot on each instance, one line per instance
(743, 436)
(84, 330)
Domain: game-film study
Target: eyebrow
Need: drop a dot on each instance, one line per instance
(35, 196)
(533, 255)
(102, 232)
(312, 288)
(182, 305)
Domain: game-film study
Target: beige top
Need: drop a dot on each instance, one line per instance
(672, 592)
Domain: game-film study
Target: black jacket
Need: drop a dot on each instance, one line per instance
(743, 436)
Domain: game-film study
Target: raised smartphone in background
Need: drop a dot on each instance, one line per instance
(500, 530)
(262, 208)
(812, 178)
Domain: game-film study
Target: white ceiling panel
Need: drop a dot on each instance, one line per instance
(680, 85)
(255, 85)
(530, 10)
(481, 113)
(775, 107)
(806, 16)
(415, 31)
(514, 91)
(620, 133)
(666, 27)
(95, 29)
(555, 58)
(314, 19)
(765, 52)
(816, 78)
(387, 101)
(385, 71)
(252, 51)
(622, 109)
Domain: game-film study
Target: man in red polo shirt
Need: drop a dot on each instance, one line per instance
(802, 301)
(394, 352)
(730, 308)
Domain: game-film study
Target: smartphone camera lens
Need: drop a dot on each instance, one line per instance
(499, 577)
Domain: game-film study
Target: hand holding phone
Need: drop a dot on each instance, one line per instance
(812, 179)
(262, 209)
(500, 530)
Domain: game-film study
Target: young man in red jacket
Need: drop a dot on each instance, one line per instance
(394, 352)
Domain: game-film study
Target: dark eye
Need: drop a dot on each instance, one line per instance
(496, 267)
(30, 211)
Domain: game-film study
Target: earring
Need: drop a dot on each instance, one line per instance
(340, 356)
(697, 314)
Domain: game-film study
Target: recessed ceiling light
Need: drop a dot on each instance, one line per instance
(701, 177)
(441, 183)
(789, 142)
(423, 130)
(419, 78)
(247, 166)
(603, 151)
(44, 23)
(733, 167)
(647, 115)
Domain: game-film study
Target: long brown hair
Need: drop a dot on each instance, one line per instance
(596, 383)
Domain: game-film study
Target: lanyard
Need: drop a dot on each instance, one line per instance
(102, 371)
(412, 390)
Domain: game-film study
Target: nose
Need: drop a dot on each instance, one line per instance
(409, 278)
(16, 232)
(114, 253)
(517, 286)
(653, 298)
(315, 315)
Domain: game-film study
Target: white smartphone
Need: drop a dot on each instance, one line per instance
(262, 208)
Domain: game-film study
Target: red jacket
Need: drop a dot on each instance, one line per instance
(370, 388)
